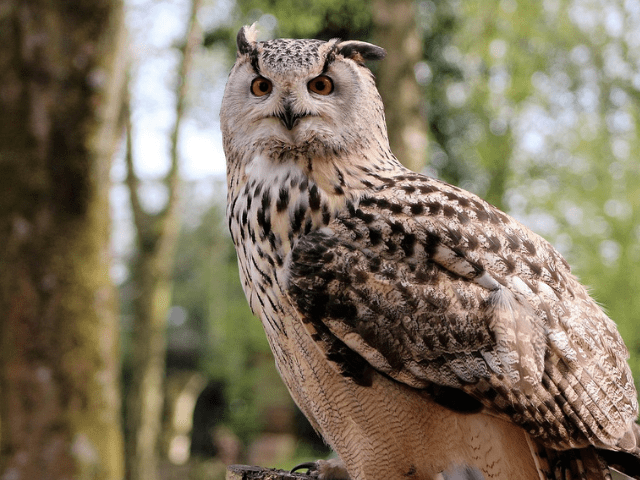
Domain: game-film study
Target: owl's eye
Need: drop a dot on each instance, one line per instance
(261, 86)
(321, 85)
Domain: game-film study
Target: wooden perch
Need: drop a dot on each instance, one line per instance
(246, 472)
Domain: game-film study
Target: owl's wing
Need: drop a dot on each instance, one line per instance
(436, 299)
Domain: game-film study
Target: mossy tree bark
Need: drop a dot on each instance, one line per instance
(61, 81)
(156, 238)
(396, 31)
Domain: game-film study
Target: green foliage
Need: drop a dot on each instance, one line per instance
(322, 19)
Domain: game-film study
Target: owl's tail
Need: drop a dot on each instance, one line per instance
(623, 462)
(626, 461)
(583, 464)
(586, 464)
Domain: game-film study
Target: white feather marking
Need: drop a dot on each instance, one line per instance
(560, 340)
(518, 340)
(452, 262)
(545, 289)
(262, 168)
(520, 287)
(487, 281)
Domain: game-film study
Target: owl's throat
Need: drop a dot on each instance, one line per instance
(301, 147)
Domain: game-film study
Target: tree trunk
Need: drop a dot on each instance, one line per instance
(61, 79)
(395, 30)
(156, 238)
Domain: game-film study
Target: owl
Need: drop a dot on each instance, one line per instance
(421, 330)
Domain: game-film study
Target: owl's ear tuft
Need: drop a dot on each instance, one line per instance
(246, 39)
(360, 51)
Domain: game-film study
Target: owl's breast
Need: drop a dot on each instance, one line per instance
(270, 205)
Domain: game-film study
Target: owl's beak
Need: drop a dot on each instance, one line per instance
(287, 117)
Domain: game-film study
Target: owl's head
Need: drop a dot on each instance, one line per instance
(294, 99)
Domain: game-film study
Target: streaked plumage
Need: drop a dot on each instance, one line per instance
(408, 317)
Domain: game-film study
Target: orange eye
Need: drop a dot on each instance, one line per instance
(321, 85)
(261, 87)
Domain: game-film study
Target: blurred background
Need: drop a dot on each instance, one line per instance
(127, 347)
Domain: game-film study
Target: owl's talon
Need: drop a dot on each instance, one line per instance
(332, 469)
(310, 466)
